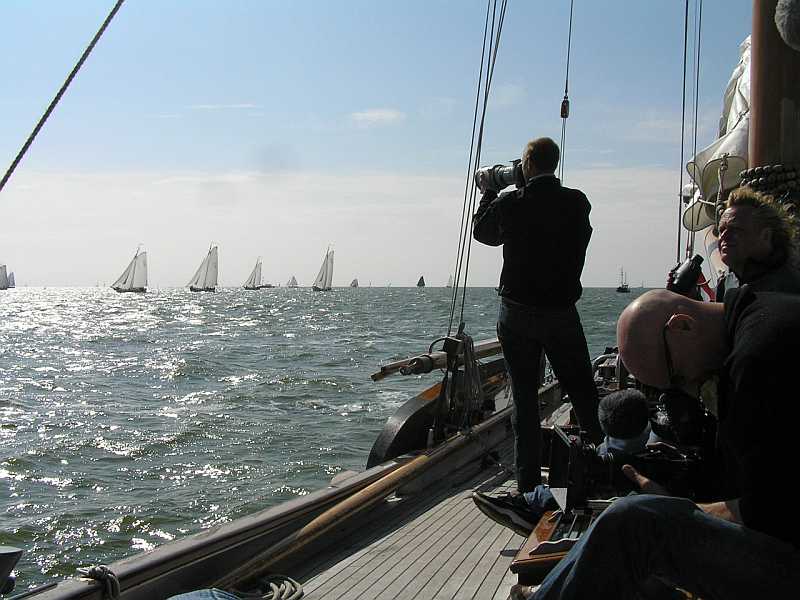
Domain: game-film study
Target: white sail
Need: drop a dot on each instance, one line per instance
(134, 277)
(205, 278)
(3, 278)
(11, 281)
(450, 281)
(254, 281)
(292, 282)
(325, 276)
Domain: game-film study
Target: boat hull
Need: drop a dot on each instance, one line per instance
(197, 289)
(130, 291)
(319, 289)
(258, 287)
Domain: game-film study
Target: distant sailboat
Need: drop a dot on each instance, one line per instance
(325, 276)
(11, 281)
(254, 281)
(3, 278)
(623, 283)
(421, 282)
(134, 277)
(292, 283)
(205, 279)
(354, 283)
(450, 281)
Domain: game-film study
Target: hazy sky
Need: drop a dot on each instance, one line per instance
(277, 128)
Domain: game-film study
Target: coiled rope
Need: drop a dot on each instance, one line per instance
(105, 577)
(274, 587)
(59, 94)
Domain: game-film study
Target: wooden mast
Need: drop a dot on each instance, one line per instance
(774, 93)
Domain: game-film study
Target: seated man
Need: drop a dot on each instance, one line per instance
(757, 244)
(747, 545)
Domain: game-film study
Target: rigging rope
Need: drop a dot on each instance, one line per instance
(698, 29)
(683, 126)
(59, 94)
(565, 101)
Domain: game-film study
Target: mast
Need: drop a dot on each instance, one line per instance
(774, 92)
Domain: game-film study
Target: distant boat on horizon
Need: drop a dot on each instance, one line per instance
(205, 278)
(449, 281)
(292, 283)
(354, 283)
(3, 277)
(623, 283)
(421, 282)
(325, 276)
(12, 283)
(254, 280)
(134, 277)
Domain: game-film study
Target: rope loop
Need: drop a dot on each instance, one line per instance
(106, 577)
(274, 587)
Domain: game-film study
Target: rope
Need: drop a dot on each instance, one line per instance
(105, 577)
(60, 93)
(565, 101)
(683, 126)
(274, 587)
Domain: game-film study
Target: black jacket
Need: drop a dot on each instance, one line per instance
(759, 408)
(544, 229)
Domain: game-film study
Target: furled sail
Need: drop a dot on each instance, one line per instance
(3, 278)
(134, 277)
(11, 281)
(205, 278)
(354, 283)
(254, 281)
(325, 276)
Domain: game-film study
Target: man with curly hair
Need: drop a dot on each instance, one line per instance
(757, 242)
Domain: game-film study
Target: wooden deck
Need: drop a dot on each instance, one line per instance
(441, 547)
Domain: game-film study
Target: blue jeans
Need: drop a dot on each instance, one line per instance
(641, 537)
(212, 594)
(524, 332)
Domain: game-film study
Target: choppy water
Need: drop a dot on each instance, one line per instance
(128, 420)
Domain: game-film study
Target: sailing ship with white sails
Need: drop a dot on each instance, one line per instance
(205, 278)
(12, 283)
(134, 277)
(292, 283)
(3, 277)
(325, 276)
(254, 280)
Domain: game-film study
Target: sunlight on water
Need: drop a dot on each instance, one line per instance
(129, 420)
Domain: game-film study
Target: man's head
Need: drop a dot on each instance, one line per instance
(754, 231)
(540, 156)
(667, 340)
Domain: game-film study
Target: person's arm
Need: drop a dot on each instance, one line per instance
(485, 223)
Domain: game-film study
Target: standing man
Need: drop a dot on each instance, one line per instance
(544, 230)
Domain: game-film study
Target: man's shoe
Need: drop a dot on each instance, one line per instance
(510, 511)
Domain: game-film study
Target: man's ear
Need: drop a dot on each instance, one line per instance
(681, 322)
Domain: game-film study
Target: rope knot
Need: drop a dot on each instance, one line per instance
(105, 576)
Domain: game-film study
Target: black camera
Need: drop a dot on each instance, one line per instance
(578, 473)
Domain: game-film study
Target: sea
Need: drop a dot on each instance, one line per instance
(129, 420)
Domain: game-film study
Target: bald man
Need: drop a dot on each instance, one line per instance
(747, 544)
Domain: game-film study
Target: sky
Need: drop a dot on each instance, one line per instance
(277, 129)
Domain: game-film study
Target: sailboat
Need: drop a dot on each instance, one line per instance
(292, 283)
(11, 281)
(623, 288)
(134, 277)
(3, 278)
(421, 282)
(450, 281)
(254, 280)
(205, 278)
(354, 283)
(325, 276)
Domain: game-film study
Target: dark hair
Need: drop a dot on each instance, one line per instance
(768, 214)
(623, 414)
(542, 153)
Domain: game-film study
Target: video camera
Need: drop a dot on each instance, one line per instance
(578, 470)
(499, 177)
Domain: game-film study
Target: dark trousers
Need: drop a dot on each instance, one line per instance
(672, 539)
(524, 332)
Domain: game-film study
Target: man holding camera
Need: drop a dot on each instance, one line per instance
(746, 545)
(544, 230)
